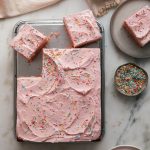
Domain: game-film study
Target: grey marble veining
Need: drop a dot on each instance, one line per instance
(126, 119)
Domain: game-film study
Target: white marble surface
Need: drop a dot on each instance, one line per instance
(127, 119)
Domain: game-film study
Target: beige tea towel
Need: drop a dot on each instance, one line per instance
(101, 7)
(10, 8)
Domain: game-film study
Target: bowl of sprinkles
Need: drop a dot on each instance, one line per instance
(130, 79)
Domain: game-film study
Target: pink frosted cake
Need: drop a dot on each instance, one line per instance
(63, 105)
(138, 25)
(28, 42)
(82, 28)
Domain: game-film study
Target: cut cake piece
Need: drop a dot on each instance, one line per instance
(138, 26)
(82, 28)
(28, 42)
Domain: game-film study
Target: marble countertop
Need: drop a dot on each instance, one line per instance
(126, 119)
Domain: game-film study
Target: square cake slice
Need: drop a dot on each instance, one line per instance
(138, 25)
(64, 104)
(28, 42)
(82, 28)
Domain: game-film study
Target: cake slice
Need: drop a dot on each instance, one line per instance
(64, 104)
(28, 42)
(82, 28)
(138, 26)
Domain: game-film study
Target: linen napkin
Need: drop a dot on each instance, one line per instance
(11, 8)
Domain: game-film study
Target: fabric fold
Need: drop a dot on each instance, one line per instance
(11, 8)
(101, 7)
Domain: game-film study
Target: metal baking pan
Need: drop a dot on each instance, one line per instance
(25, 69)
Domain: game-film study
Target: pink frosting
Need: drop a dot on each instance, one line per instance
(139, 25)
(82, 28)
(63, 105)
(28, 41)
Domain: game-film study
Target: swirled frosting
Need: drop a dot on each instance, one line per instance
(82, 28)
(63, 105)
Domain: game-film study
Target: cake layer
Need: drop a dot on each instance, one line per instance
(138, 25)
(63, 105)
(28, 42)
(82, 28)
